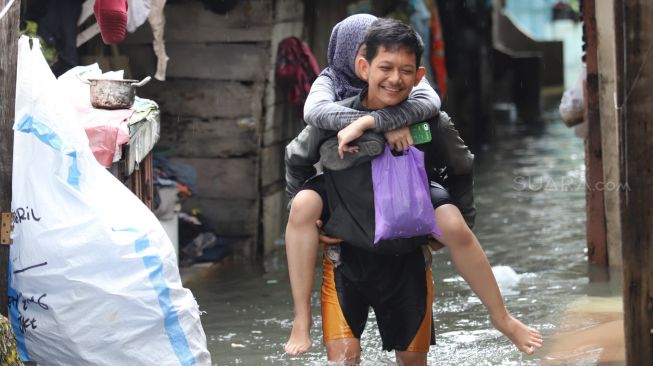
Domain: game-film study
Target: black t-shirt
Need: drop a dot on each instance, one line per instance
(350, 198)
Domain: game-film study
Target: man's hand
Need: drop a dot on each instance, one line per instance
(326, 239)
(435, 244)
(399, 139)
(351, 133)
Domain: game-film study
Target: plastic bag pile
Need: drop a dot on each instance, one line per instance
(93, 276)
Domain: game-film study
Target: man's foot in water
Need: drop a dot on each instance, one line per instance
(300, 339)
(525, 338)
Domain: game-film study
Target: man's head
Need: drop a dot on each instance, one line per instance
(391, 63)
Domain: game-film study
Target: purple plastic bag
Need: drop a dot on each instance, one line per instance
(402, 200)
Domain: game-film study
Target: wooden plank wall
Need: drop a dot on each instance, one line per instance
(221, 112)
(212, 106)
(282, 123)
(321, 16)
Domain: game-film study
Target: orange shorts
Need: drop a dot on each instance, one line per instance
(401, 295)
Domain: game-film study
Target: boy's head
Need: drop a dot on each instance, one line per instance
(391, 64)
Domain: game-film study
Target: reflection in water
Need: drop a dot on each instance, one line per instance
(531, 221)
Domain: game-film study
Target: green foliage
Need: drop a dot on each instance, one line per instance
(8, 353)
(49, 51)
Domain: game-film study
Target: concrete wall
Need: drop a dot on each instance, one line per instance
(509, 38)
(221, 113)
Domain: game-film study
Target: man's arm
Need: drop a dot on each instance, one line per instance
(302, 153)
(460, 168)
(322, 111)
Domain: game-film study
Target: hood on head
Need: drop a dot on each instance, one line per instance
(346, 38)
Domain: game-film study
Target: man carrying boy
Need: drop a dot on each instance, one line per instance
(398, 287)
(357, 275)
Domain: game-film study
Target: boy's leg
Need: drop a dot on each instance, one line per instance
(439, 197)
(301, 253)
(473, 265)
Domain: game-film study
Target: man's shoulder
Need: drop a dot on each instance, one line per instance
(440, 121)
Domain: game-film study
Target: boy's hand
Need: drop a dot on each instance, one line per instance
(351, 133)
(324, 238)
(399, 139)
(347, 135)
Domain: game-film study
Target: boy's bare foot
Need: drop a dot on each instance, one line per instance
(300, 339)
(525, 338)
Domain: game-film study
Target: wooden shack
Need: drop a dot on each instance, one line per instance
(221, 111)
(224, 115)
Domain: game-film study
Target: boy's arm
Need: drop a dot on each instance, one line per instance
(460, 168)
(322, 111)
(302, 153)
(422, 103)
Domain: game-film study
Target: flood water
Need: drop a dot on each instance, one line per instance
(531, 222)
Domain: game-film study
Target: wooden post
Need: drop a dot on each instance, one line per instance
(9, 23)
(634, 49)
(597, 252)
(609, 128)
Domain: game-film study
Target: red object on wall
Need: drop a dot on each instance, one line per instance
(296, 70)
(437, 52)
(111, 16)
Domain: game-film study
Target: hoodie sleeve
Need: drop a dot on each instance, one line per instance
(322, 111)
(422, 103)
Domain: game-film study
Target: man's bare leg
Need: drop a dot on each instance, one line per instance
(472, 264)
(344, 351)
(301, 252)
(405, 358)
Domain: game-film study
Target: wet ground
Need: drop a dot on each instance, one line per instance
(531, 222)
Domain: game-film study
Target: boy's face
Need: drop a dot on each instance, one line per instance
(390, 77)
